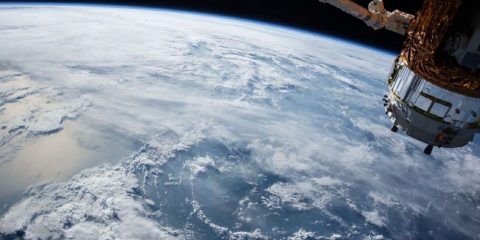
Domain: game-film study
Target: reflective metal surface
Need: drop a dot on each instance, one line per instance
(428, 112)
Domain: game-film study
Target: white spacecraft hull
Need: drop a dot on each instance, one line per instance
(428, 112)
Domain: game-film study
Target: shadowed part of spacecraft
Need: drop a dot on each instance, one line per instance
(435, 82)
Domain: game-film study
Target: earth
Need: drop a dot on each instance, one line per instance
(130, 123)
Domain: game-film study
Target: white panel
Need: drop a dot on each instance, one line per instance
(423, 103)
(403, 82)
(466, 105)
(439, 110)
(407, 82)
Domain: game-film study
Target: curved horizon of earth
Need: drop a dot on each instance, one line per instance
(124, 123)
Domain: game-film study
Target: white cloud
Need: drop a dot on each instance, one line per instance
(306, 194)
(301, 107)
(97, 203)
(374, 217)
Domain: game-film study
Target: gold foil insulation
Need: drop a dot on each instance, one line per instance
(423, 51)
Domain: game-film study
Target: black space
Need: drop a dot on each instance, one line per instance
(305, 14)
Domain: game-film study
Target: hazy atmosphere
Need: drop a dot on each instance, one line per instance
(124, 123)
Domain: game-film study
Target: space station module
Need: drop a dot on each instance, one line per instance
(434, 83)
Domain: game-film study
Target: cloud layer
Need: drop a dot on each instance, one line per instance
(205, 127)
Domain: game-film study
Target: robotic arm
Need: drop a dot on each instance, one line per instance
(376, 16)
